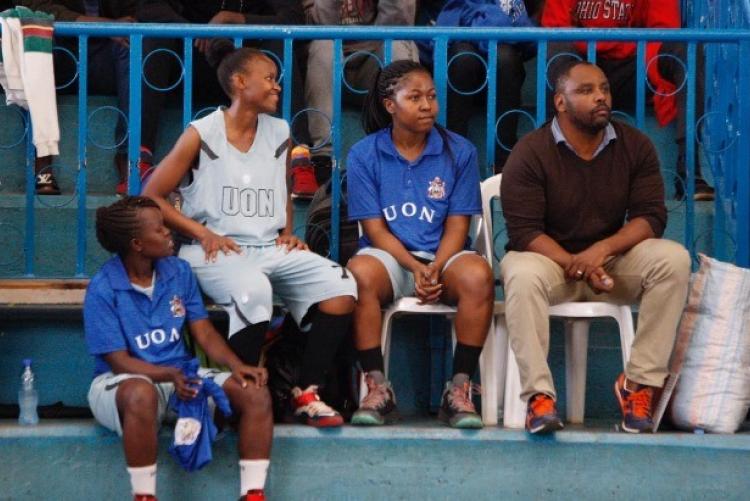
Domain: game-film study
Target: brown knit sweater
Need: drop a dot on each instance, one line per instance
(548, 189)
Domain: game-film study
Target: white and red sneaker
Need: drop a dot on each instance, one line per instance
(254, 495)
(309, 409)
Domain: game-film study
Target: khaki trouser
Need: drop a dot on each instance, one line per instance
(655, 272)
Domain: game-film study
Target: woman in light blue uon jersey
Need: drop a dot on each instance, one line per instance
(234, 167)
(414, 187)
(135, 312)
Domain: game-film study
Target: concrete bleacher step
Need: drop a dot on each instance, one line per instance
(414, 460)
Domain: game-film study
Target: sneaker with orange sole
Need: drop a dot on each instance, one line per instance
(635, 406)
(541, 415)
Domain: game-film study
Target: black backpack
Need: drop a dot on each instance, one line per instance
(318, 224)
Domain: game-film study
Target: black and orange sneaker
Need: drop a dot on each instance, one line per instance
(541, 415)
(254, 495)
(309, 409)
(635, 406)
(304, 184)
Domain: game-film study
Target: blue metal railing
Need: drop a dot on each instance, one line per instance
(735, 184)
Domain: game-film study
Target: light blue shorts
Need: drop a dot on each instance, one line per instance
(246, 284)
(103, 393)
(402, 279)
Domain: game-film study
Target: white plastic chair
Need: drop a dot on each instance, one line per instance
(578, 317)
(488, 360)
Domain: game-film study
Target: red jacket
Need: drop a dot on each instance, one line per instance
(622, 14)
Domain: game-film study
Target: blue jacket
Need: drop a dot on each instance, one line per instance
(195, 429)
(481, 14)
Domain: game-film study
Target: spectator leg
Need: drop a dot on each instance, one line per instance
(511, 77)
(318, 94)
(466, 74)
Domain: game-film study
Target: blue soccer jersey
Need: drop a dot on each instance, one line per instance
(117, 317)
(413, 198)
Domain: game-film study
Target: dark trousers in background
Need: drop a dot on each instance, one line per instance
(108, 74)
(467, 73)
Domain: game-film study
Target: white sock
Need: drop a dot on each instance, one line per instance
(253, 474)
(143, 479)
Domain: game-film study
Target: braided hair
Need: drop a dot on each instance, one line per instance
(228, 60)
(387, 80)
(118, 224)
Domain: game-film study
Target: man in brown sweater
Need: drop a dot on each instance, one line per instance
(583, 201)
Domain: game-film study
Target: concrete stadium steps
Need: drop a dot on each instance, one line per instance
(414, 460)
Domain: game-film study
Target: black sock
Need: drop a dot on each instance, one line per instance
(371, 360)
(466, 359)
(323, 342)
(247, 343)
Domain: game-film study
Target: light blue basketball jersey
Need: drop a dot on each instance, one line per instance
(237, 194)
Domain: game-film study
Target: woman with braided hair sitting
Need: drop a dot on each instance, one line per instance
(135, 309)
(414, 186)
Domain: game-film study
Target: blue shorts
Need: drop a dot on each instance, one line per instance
(245, 284)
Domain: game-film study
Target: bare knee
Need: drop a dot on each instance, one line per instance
(369, 273)
(252, 400)
(475, 281)
(137, 398)
(339, 305)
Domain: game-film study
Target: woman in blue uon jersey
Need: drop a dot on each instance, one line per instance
(135, 309)
(414, 187)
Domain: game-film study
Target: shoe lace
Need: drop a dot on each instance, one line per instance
(640, 403)
(377, 395)
(319, 408)
(460, 396)
(542, 405)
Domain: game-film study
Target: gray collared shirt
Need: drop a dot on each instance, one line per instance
(609, 136)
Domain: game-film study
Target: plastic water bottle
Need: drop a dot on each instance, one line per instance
(28, 398)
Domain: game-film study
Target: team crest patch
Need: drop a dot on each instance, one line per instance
(436, 191)
(178, 309)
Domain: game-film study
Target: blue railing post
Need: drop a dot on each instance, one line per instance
(134, 114)
(541, 83)
(338, 75)
(441, 77)
(640, 86)
(492, 72)
(187, 82)
(29, 250)
(286, 107)
(83, 126)
(743, 159)
(690, 145)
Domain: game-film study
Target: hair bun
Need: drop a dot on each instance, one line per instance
(218, 49)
